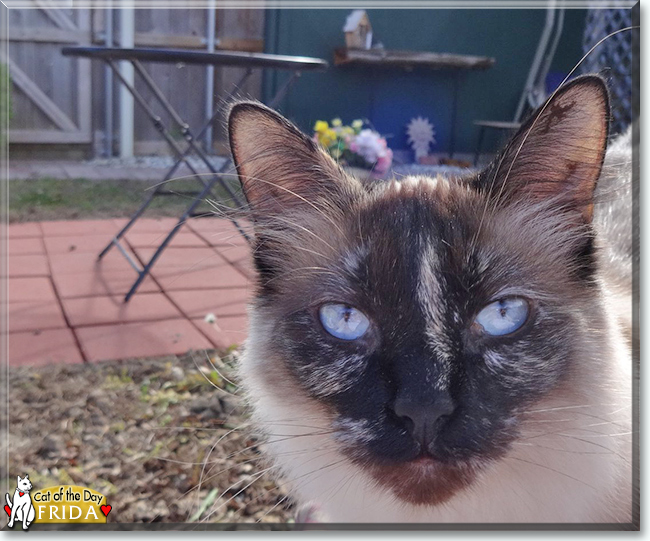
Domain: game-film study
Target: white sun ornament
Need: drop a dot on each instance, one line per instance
(420, 135)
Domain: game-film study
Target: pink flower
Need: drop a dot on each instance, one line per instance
(384, 162)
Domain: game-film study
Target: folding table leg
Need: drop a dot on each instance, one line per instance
(157, 122)
(168, 176)
(185, 128)
(168, 238)
(182, 155)
(116, 239)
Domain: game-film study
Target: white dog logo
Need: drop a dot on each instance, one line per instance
(22, 508)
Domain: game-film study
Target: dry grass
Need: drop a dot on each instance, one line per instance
(160, 438)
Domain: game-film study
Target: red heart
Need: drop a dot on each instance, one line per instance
(106, 509)
(21, 493)
(8, 510)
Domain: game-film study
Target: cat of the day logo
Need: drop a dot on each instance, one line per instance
(55, 505)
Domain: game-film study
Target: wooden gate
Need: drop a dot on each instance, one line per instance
(51, 94)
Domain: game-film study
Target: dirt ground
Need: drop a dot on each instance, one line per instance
(162, 439)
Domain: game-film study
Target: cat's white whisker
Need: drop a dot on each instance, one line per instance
(553, 470)
(224, 378)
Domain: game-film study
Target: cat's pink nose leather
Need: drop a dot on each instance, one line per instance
(423, 419)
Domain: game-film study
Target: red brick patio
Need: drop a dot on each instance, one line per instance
(65, 307)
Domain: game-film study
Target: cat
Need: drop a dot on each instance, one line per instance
(440, 350)
(22, 508)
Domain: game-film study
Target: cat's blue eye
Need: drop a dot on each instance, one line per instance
(504, 316)
(343, 321)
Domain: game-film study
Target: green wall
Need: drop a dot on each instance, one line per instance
(390, 98)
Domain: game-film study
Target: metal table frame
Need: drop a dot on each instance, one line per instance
(250, 61)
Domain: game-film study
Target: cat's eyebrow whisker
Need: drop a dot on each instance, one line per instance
(291, 192)
(315, 270)
(302, 248)
(286, 221)
(183, 177)
(223, 210)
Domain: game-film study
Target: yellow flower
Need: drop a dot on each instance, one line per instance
(321, 126)
(337, 122)
(357, 124)
(328, 137)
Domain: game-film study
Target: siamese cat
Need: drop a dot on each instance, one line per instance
(443, 350)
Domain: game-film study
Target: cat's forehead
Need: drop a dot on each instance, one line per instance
(420, 186)
(419, 206)
(408, 183)
(437, 193)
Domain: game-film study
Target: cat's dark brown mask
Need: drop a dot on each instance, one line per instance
(421, 258)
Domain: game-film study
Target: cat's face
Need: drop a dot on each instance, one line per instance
(24, 484)
(425, 315)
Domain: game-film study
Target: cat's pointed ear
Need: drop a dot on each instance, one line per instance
(558, 152)
(19, 479)
(279, 167)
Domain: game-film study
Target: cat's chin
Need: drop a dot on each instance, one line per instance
(424, 481)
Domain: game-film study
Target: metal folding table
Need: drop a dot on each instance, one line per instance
(250, 61)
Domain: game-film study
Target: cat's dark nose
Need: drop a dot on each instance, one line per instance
(424, 418)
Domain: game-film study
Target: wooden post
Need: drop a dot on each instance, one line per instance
(127, 36)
